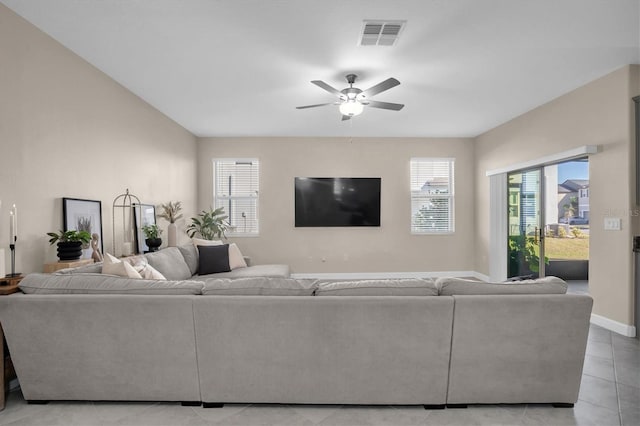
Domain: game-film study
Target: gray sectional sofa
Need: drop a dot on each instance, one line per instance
(215, 340)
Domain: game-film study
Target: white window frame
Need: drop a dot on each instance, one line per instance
(222, 201)
(450, 196)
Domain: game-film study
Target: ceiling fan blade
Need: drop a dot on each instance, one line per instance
(321, 84)
(385, 105)
(313, 106)
(346, 117)
(381, 87)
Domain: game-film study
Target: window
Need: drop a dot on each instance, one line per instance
(432, 195)
(236, 188)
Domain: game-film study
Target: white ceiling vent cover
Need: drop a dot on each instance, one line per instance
(380, 33)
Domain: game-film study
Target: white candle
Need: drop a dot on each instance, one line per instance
(12, 227)
(15, 221)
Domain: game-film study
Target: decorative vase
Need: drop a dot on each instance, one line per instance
(153, 243)
(172, 235)
(69, 250)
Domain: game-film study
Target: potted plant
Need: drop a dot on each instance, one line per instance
(69, 243)
(209, 224)
(523, 256)
(152, 235)
(171, 213)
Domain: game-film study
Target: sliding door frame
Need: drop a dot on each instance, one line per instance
(498, 214)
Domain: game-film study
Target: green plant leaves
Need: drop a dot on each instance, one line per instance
(209, 224)
(68, 236)
(151, 231)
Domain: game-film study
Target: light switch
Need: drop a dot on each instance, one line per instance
(612, 224)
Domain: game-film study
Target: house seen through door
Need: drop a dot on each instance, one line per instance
(548, 220)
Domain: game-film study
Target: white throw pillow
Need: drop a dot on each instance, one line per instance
(200, 242)
(147, 271)
(236, 260)
(114, 266)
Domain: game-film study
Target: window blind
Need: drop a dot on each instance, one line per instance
(432, 191)
(236, 188)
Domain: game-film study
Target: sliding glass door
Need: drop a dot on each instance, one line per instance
(525, 221)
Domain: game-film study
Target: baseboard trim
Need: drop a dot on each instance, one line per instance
(615, 326)
(388, 275)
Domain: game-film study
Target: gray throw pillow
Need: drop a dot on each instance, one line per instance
(259, 286)
(459, 286)
(385, 287)
(104, 284)
(170, 263)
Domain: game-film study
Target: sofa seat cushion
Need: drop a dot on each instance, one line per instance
(104, 284)
(384, 287)
(259, 286)
(458, 286)
(170, 263)
(281, 271)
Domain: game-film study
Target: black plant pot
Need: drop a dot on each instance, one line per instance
(69, 250)
(153, 243)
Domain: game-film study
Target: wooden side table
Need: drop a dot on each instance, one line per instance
(52, 267)
(8, 285)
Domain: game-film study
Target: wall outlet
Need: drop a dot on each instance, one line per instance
(612, 224)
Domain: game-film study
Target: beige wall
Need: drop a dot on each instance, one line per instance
(68, 130)
(389, 248)
(598, 113)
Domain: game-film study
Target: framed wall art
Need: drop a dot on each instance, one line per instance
(83, 215)
(143, 215)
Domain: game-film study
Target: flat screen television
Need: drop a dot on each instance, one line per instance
(329, 202)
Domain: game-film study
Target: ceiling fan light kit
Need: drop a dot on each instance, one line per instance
(352, 100)
(351, 108)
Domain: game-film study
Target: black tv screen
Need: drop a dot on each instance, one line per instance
(328, 202)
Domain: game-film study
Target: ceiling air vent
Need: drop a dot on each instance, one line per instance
(380, 33)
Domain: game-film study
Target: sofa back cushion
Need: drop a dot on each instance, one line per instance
(385, 287)
(459, 286)
(92, 268)
(170, 263)
(190, 254)
(104, 284)
(259, 286)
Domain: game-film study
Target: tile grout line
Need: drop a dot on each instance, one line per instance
(615, 376)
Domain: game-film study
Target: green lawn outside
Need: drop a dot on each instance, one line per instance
(567, 248)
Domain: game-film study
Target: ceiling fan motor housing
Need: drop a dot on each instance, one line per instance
(350, 93)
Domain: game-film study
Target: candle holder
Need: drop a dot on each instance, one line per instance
(13, 259)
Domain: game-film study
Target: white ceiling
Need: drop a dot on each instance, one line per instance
(240, 67)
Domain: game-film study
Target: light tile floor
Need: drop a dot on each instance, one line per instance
(609, 395)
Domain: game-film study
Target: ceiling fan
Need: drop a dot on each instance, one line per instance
(353, 100)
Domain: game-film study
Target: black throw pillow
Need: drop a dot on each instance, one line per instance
(213, 259)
